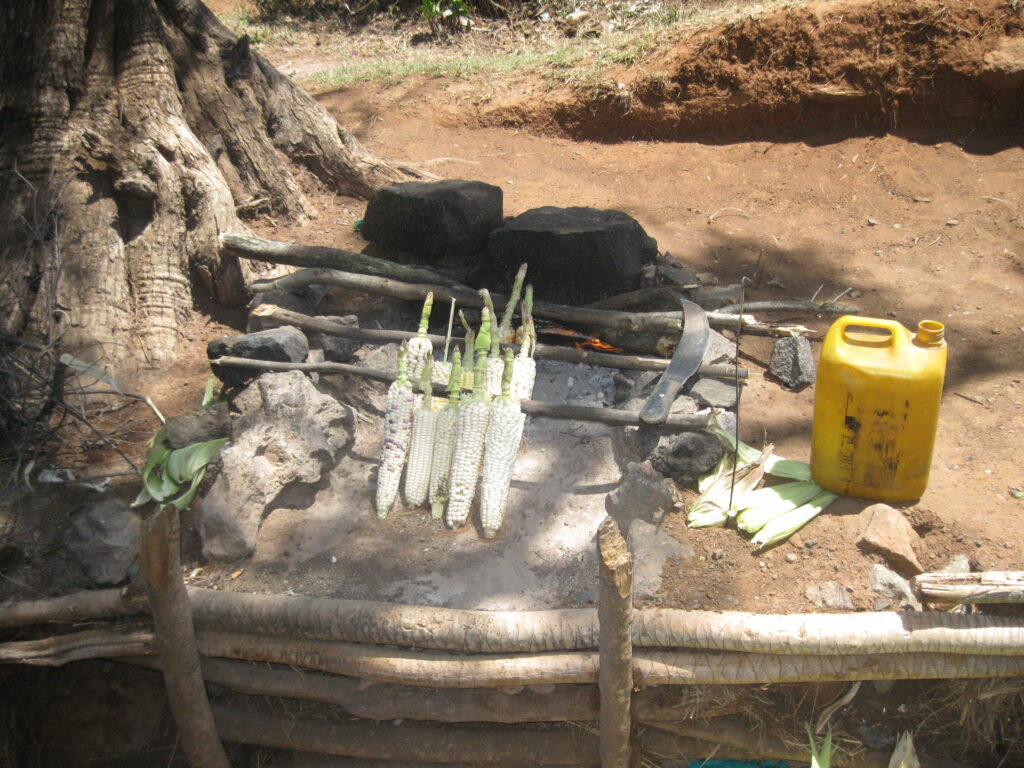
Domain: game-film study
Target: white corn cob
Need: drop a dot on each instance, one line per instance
(470, 431)
(524, 373)
(495, 363)
(441, 371)
(421, 447)
(444, 438)
(504, 432)
(420, 348)
(397, 431)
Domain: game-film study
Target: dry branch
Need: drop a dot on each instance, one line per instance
(540, 409)
(78, 606)
(615, 646)
(594, 319)
(541, 352)
(435, 669)
(275, 252)
(160, 565)
(986, 587)
(568, 629)
(411, 742)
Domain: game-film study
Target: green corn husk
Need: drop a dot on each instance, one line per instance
(781, 527)
(765, 504)
(775, 465)
(712, 507)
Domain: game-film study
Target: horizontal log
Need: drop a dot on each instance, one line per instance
(541, 352)
(594, 319)
(87, 605)
(480, 746)
(389, 701)
(437, 669)
(537, 408)
(971, 588)
(275, 252)
(464, 630)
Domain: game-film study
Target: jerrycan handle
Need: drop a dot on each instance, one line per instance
(870, 331)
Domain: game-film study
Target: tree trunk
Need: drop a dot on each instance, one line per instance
(133, 131)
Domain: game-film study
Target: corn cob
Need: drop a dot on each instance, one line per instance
(495, 363)
(420, 348)
(470, 431)
(397, 430)
(505, 334)
(421, 447)
(524, 374)
(468, 349)
(504, 432)
(444, 437)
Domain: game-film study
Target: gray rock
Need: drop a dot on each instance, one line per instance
(284, 344)
(304, 303)
(576, 255)
(891, 585)
(829, 594)
(433, 219)
(289, 434)
(885, 530)
(643, 493)
(199, 426)
(687, 456)
(105, 541)
(711, 297)
(335, 348)
(669, 270)
(715, 393)
(720, 350)
(958, 564)
(792, 362)
(651, 548)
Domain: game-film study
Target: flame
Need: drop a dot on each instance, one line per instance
(595, 343)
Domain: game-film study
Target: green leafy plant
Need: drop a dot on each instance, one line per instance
(820, 758)
(172, 476)
(441, 14)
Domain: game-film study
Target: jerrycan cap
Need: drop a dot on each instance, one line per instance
(930, 333)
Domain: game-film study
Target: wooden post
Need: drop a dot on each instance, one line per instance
(160, 564)
(615, 646)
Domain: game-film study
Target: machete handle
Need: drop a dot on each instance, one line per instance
(658, 404)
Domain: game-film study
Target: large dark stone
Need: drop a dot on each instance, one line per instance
(576, 255)
(285, 344)
(688, 456)
(792, 363)
(433, 219)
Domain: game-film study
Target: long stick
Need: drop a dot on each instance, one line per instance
(971, 588)
(437, 669)
(615, 646)
(609, 416)
(275, 252)
(579, 316)
(542, 351)
(160, 564)
(416, 743)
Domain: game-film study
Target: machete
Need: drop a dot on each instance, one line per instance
(689, 354)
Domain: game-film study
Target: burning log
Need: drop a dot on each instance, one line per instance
(541, 352)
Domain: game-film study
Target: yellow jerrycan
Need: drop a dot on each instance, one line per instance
(876, 408)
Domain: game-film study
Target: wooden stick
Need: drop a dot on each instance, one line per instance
(823, 307)
(421, 743)
(971, 588)
(596, 319)
(87, 605)
(609, 416)
(259, 249)
(160, 564)
(542, 351)
(615, 646)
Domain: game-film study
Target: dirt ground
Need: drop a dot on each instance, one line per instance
(915, 229)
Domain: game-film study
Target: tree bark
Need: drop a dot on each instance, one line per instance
(615, 646)
(132, 132)
(160, 564)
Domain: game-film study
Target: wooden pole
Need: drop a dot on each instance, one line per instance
(160, 564)
(542, 351)
(972, 588)
(615, 646)
(609, 416)
(275, 252)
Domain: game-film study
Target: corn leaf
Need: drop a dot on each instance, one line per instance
(185, 500)
(209, 396)
(774, 465)
(781, 527)
(92, 370)
(761, 506)
(183, 463)
(821, 758)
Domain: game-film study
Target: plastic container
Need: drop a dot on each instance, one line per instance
(876, 408)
